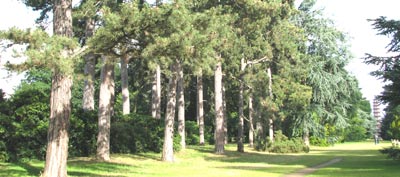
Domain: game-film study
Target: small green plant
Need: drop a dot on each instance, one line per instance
(283, 144)
(321, 142)
(392, 152)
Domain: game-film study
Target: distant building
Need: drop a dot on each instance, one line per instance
(377, 115)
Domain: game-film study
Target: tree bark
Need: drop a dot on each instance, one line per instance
(156, 94)
(260, 135)
(60, 100)
(219, 117)
(224, 113)
(57, 135)
(241, 105)
(271, 117)
(306, 138)
(105, 110)
(168, 150)
(181, 106)
(124, 85)
(200, 108)
(251, 126)
(90, 59)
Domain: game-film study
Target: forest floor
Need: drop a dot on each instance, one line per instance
(356, 159)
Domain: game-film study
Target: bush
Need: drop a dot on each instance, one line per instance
(3, 152)
(83, 133)
(392, 152)
(192, 133)
(283, 144)
(322, 142)
(135, 133)
(261, 143)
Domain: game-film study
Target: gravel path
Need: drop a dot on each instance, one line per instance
(306, 171)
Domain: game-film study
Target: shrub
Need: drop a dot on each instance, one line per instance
(261, 143)
(3, 152)
(392, 152)
(83, 133)
(283, 144)
(322, 142)
(192, 133)
(135, 133)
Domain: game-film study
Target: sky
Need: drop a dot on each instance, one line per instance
(350, 16)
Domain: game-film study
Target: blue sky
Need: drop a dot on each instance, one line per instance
(350, 16)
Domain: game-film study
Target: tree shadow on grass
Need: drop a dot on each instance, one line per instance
(19, 169)
(90, 167)
(365, 160)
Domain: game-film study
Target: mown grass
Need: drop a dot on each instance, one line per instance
(358, 159)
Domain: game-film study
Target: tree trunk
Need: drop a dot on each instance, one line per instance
(124, 85)
(57, 135)
(168, 150)
(181, 106)
(105, 110)
(60, 100)
(271, 118)
(200, 109)
(156, 94)
(219, 117)
(226, 138)
(251, 126)
(260, 135)
(90, 59)
(306, 138)
(241, 105)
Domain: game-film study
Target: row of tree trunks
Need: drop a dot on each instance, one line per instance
(60, 99)
(105, 109)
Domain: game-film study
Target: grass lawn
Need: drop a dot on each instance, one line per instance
(358, 159)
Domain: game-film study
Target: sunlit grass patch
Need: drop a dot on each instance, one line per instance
(358, 159)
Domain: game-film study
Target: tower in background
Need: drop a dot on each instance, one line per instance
(377, 115)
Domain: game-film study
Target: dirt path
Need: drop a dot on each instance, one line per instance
(306, 171)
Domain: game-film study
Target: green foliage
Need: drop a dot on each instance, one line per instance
(136, 133)
(192, 133)
(317, 141)
(389, 72)
(391, 123)
(57, 53)
(334, 90)
(282, 144)
(27, 120)
(82, 133)
(391, 152)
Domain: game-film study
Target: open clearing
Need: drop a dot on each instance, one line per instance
(356, 159)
